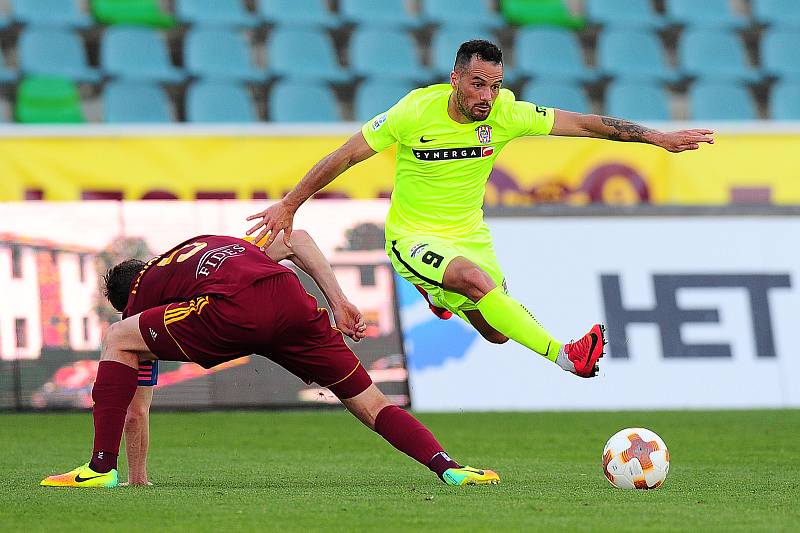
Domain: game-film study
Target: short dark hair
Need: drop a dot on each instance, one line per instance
(118, 282)
(484, 50)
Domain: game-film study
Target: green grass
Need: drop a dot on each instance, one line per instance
(322, 471)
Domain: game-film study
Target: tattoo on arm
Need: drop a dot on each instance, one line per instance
(625, 131)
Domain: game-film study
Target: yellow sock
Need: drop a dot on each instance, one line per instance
(510, 318)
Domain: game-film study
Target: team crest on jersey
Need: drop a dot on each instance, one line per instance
(484, 132)
(417, 248)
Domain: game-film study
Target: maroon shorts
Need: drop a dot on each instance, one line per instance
(275, 318)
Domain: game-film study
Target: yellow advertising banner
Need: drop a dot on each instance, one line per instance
(737, 168)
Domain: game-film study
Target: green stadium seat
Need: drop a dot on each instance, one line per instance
(539, 13)
(45, 100)
(566, 96)
(52, 13)
(139, 12)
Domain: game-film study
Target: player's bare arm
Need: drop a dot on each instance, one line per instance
(279, 216)
(569, 124)
(305, 253)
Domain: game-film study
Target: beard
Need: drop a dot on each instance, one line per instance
(468, 112)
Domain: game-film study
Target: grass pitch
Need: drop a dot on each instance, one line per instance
(323, 471)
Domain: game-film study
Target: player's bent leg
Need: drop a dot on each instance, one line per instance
(487, 332)
(114, 387)
(403, 431)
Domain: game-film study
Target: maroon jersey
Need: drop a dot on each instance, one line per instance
(204, 265)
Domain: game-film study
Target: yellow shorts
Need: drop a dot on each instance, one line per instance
(423, 259)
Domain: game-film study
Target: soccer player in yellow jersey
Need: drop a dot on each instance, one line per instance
(448, 137)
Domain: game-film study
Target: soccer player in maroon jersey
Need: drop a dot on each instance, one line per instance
(212, 299)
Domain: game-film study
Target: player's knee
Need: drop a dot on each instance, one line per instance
(495, 337)
(300, 236)
(475, 282)
(136, 415)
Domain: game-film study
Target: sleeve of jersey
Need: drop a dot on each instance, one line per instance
(533, 119)
(383, 131)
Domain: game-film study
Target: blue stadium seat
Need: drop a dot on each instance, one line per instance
(376, 96)
(227, 13)
(52, 13)
(777, 13)
(720, 101)
(445, 44)
(550, 53)
(305, 54)
(705, 14)
(302, 102)
(54, 52)
(372, 14)
(298, 13)
(461, 14)
(784, 102)
(779, 48)
(714, 55)
(615, 14)
(566, 96)
(219, 54)
(135, 102)
(637, 101)
(137, 54)
(633, 55)
(220, 102)
(386, 54)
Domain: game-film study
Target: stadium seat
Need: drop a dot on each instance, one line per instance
(219, 54)
(226, 13)
(704, 14)
(551, 53)
(777, 13)
(220, 102)
(539, 13)
(54, 52)
(632, 55)
(779, 49)
(461, 14)
(615, 14)
(298, 13)
(43, 100)
(637, 101)
(714, 55)
(720, 101)
(386, 13)
(302, 102)
(137, 54)
(135, 102)
(567, 96)
(784, 102)
(445, 44)
(375, 97)
(138, 12)
(305, 54)
(386, 54)
(58, 13)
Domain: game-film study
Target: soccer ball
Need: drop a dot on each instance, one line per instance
(635, 458)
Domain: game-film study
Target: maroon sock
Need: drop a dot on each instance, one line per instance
(408, 435)
(112, 393)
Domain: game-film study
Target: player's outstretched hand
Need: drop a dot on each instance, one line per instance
(279, 216)
(678, 141)
(349, 321)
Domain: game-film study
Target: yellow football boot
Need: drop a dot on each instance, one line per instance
(83, 476)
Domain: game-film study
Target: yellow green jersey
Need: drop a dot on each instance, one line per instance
(442, 165)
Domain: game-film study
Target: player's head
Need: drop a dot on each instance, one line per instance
(118, 282)
(476, 78)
